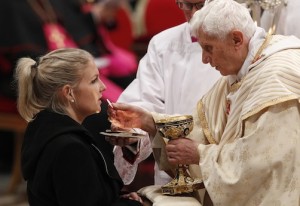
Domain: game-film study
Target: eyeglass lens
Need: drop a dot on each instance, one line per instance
(189, 6)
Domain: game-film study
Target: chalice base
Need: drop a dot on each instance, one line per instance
(177, 187)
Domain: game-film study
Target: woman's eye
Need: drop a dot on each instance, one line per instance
(95, 80)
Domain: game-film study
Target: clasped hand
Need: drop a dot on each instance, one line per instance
(182, 151)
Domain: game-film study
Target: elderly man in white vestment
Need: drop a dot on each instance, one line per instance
(246, 137)
(171, 79)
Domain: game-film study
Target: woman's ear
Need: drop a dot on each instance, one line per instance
(67, 93)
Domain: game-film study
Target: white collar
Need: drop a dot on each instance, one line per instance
(254, 44)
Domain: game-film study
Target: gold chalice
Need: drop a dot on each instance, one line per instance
(173, 128)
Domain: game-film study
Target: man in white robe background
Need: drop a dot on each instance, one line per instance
(246, 137)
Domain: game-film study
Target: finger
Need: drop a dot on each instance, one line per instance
(111, 111)
(120, 141)
(115, 141)
(115, 127)
(171, 148)
(133, 196)
(125, 196)
(173, 160)
(175, 141)
(129, 141)
(119, 106)
(111, 140)
(136, 197)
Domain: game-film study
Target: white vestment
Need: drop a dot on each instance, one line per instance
(250, 156)
(171, 78)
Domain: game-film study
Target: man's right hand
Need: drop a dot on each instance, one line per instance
(126, 117)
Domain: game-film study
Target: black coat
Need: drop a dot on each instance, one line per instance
(63, 165)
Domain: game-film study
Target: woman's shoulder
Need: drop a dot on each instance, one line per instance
(69, 142)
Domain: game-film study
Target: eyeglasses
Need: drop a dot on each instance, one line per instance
(187, 6)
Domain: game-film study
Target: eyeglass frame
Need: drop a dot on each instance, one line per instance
(189, 5)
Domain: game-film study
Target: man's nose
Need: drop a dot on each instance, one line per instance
(205, 58)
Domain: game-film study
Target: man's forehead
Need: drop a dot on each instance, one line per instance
(205, 37)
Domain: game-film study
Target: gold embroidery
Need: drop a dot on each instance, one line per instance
(204, 123)
(235, 86)
(268, 104)
(262, 47)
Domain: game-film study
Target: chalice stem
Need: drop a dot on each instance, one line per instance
(182, 174)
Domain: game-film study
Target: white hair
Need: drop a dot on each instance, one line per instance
(219, 17)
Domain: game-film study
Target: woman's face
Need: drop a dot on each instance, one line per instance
(87, 94)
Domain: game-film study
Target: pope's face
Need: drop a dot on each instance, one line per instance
(224, 55)
(189, 9)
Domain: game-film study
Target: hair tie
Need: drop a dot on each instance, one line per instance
(37, 62)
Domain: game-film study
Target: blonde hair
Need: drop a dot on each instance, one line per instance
(38, 82)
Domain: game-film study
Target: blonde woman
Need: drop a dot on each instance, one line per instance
(61, 161)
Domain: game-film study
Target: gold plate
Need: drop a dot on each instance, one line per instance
(122, 134)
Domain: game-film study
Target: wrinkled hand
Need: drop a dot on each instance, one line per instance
(125, 117)
(133, 196)
(182, 151)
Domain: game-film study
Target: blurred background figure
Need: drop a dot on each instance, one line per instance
(286, 18)
(22, 36)
(36, 26)
(279, 15)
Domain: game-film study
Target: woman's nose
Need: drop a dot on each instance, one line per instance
(102, 86)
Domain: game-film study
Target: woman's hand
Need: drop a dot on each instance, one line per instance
(133, 196)
(121, 141)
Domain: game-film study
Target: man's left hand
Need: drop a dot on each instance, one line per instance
(182, 151)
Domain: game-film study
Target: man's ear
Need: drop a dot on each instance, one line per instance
(237, 37)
